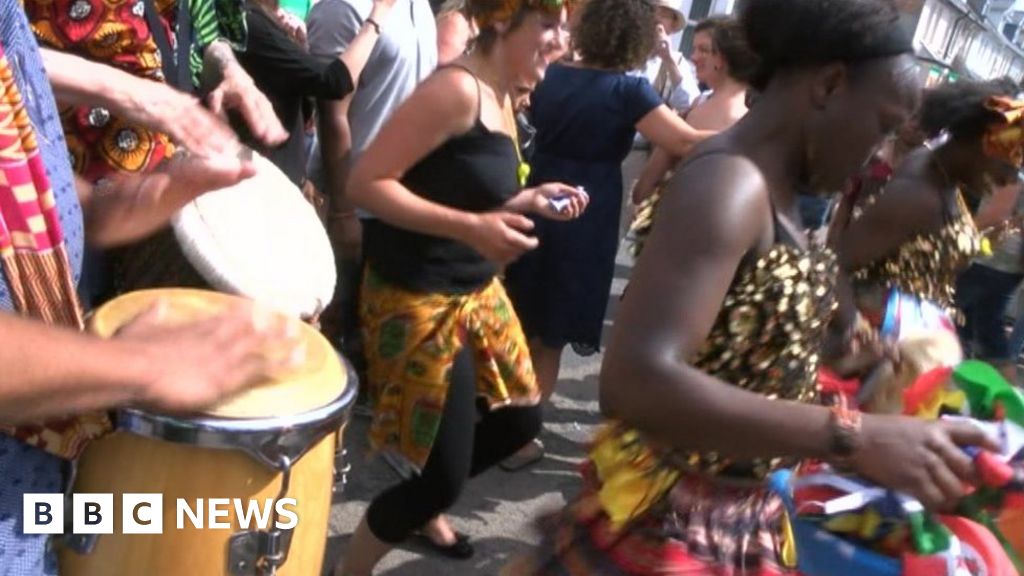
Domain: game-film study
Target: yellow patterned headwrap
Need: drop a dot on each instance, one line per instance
(1005, 140)
(506, 9)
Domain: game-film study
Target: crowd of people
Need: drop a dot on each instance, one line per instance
(476, 165)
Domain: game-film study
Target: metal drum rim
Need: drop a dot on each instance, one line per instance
(150, 425)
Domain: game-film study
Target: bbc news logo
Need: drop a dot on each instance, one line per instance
(144, 513)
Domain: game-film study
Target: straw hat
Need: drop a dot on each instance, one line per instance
(678, 20)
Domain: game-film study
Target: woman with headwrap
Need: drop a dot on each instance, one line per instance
(452, 384)
(710, 378)
(919, 233)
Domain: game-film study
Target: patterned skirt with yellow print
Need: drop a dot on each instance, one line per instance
(411, 341)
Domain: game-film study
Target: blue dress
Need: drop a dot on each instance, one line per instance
(585, 121)
(24, 469)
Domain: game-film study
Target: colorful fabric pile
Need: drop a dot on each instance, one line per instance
(843, 524)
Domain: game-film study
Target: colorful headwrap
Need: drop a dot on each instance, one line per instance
(506, 9)
(1005, 140)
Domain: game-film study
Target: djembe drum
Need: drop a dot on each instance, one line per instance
(260, 239)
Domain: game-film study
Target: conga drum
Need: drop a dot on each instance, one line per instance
(261, 239)
(272, 442)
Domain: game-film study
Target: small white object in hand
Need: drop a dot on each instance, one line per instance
(562, 202)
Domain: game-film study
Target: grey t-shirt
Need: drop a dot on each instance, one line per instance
(404, 55)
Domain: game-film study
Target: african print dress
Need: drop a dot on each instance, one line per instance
(116, 32)
(648, 509)
(927, 265)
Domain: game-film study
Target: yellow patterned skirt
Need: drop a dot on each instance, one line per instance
(411, 341)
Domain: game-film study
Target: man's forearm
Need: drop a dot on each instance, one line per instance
(51, 372)
(80, 82)
(675, 74)
(335, 148)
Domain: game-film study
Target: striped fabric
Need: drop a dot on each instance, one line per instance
(213, 20)
(33, 255)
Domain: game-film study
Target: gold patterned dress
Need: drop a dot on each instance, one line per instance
(651, 510)
(927, 265)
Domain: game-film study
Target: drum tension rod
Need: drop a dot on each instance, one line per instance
(259, 552)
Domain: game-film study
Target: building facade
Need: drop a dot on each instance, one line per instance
(697, 10)
(957, 39)
(953, 39)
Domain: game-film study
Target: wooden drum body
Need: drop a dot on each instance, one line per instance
(272, 442)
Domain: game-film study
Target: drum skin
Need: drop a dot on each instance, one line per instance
(316, 382)
(124, 462)
(259, 238)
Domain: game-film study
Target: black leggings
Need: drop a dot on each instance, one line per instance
(469, 441)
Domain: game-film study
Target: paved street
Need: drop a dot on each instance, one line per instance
(498, 508)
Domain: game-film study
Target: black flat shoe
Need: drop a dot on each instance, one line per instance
(461, 549)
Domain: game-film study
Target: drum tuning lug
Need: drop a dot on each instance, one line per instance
(342, 467)
(258, 553)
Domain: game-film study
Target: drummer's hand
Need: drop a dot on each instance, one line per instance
(183, 118)
(197, 364)
(193, 176)
(238, 92)
(129, 207)
(499, 236)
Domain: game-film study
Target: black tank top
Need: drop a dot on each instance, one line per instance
(475, 172)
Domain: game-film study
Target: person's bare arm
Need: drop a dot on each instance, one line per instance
(657, 167)
(51, 371)
(443, 106)
(675, 295)
(335, 138)
(54, 371)
(80, 82)
(343, 226)
(233, 89)
(998, 207)
(357, 53)
(665, 128)
(903, 211)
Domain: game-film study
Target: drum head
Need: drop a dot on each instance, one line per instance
(318, 381)
(261, 239)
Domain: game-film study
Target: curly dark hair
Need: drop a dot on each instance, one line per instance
(616, 34)
(729, 40)
(791, 34)
(960, 107)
